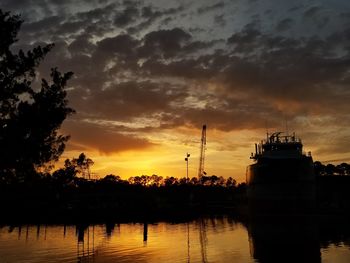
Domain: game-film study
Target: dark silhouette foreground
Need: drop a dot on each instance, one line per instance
(29, 117)
(53, 199)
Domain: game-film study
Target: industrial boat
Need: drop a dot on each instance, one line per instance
(282, 176)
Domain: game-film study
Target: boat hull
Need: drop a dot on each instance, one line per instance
(281, 184)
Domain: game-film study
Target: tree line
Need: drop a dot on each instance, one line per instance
(342, 169)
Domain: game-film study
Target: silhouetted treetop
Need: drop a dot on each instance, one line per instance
(342, 169)
(9, 26)
(29, 119)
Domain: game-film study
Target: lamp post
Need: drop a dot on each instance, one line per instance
(186, 159)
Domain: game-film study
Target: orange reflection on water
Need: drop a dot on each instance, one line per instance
(218, 239)
(209, 240)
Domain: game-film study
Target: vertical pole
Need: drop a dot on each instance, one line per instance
(186, 159)
(187, 169)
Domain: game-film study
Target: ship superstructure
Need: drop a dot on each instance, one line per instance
(279, 146)
(282, 172)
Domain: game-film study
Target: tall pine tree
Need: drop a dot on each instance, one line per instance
(29, 119)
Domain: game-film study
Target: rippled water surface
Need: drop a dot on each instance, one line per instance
(219, 239)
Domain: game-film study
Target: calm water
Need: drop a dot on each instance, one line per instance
(219, 239)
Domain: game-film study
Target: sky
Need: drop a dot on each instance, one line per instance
(149, 74)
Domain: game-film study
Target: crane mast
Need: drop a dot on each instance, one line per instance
(201, 171)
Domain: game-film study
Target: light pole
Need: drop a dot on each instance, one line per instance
(186, 159)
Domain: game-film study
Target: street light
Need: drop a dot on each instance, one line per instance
(186, 159)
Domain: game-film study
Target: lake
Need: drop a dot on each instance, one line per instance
(206, 239)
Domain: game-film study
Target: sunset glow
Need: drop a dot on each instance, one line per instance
(149, 74)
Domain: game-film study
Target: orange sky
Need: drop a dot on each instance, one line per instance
(148, 75)
(227, 154)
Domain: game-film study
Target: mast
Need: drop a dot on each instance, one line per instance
(201, 171)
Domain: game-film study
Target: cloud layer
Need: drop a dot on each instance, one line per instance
(231, 64)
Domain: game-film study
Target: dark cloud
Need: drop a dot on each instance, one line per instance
(185, 68)
(101, 138)
(150, 15)
(205, 9)
(81, 45)
(166, 43)
(42, 25)
(319, 16)
(137, 60)
(235, 115)
(312, 11)
(287, 69)
(284, 24)
(220, 20)
(245, 40)
(296, 8)
(96, 13)
(150, 12)
(122, 45)
(126, 16)
(131, 99)
(338, 145)
(292, 75)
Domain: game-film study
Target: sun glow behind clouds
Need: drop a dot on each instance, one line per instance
(227, 155)
(146, 71)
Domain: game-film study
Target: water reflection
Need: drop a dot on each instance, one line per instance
(203, 239)
(109, 229)
(284, 239)
(86, 243)
(216, 239)
(145, 232)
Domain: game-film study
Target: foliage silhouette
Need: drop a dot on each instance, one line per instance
(342, 169)
(29, 118)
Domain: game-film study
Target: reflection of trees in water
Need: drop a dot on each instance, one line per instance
(19, 233)
(86, 243)
(145, 233)
(109, 229)
(283, 239)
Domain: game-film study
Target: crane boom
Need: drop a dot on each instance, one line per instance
(201, 171)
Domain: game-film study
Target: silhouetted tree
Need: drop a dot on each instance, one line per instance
(344, 168)
(194, 181)
(156, 180)
(111, 178)
(83, 165)
(330, 169)
(183, 180)
(204, 180)
(171, 181)
(29, 118)
(319, 168)
(135, 180)
(65, 176)
(230, 182)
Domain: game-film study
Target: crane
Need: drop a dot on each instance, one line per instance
(201, 171)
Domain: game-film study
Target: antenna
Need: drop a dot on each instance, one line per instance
(267, 130)
(201, 171)
(286, 120)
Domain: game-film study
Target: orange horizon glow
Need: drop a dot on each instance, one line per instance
(227, 155)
